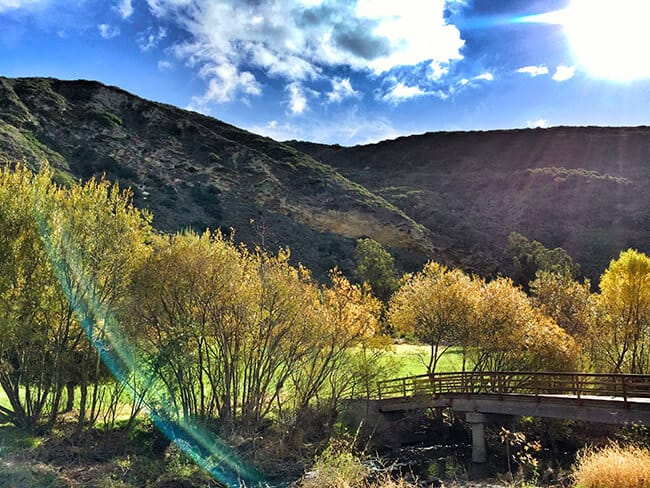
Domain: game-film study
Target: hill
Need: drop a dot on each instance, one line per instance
(584, 189)
(450, 196)
(193, 170)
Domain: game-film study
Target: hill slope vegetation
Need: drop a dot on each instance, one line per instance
(453, 197)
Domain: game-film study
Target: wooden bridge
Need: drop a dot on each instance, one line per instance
(502, 396)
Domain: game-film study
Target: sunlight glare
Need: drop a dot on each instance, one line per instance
(610, 38)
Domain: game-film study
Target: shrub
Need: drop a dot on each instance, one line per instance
(613, 467)
(336, 467)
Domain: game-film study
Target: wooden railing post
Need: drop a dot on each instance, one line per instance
(404, 386)
(624, 386)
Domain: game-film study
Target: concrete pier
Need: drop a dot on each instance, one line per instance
(477, 422)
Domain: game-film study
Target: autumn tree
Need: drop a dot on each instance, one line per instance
(564, 299)
(95, 238)
(346, 316)
(436, 305)
(622, 326)
(237, 334)
(510, 334)
(33, 314)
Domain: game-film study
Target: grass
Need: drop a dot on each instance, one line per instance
(613, 467)
(411, 359)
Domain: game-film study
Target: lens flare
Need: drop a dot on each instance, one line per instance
(119, 355)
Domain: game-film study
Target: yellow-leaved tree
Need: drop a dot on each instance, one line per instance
(512, 335)
(621, 330)
(437, 306)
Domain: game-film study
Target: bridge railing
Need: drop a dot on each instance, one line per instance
(518, 383)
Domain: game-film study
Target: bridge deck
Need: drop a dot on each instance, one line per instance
(609, 398)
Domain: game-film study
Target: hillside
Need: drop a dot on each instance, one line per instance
(449, 196)
(580, 188)
(193, 170)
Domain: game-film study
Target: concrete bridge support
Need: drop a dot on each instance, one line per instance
(477, 423)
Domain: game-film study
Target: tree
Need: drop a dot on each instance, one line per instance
(438, 306)
(622, 328)
(567, 301)
(376, 266)
(33, 319)
(529, 257)
(511, 335)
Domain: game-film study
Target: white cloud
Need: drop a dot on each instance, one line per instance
(416, 33)
(165, 65)
(125, 8)
(564, 73)
(224, 83)
(341, 89)
(19, 4)
(297, 98)
(299, 40)
(534, 124)
(533, 70)
(484, 76)
(437, 70)
(348, 128)
(108, 31)
(150, 38)
(401, 92)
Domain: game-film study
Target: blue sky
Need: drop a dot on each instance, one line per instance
(350, 71)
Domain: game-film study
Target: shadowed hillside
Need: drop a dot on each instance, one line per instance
(583, 188)
(453, 196)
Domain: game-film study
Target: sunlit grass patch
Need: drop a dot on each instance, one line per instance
(13, 438)
(412, 359)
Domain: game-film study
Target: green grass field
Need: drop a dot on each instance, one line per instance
(411, 359)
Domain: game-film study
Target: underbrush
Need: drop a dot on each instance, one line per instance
(614, 466)
(340, 467)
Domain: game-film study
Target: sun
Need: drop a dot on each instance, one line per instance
(610, 39)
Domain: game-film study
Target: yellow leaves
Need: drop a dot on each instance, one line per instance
(436, 304)
(495, 321)
(350, 311)
(622, 331)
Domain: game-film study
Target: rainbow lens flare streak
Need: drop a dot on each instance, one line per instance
(119, 355)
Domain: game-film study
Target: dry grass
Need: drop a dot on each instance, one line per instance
(613, 467)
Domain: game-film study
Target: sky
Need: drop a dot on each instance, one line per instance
(350, 72)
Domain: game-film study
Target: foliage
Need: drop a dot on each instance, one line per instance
(512, 335)
(437, 305)
(567, 301)
(561, 174)
(238, 332)
(63, 251)
(615, 466)
(622, 329)
(376, 266)
(337, 467)
(529, 257)
(520, 451)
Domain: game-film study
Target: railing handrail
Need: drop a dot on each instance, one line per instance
(577, 383)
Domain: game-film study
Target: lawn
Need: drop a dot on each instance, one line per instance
(411, 359)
